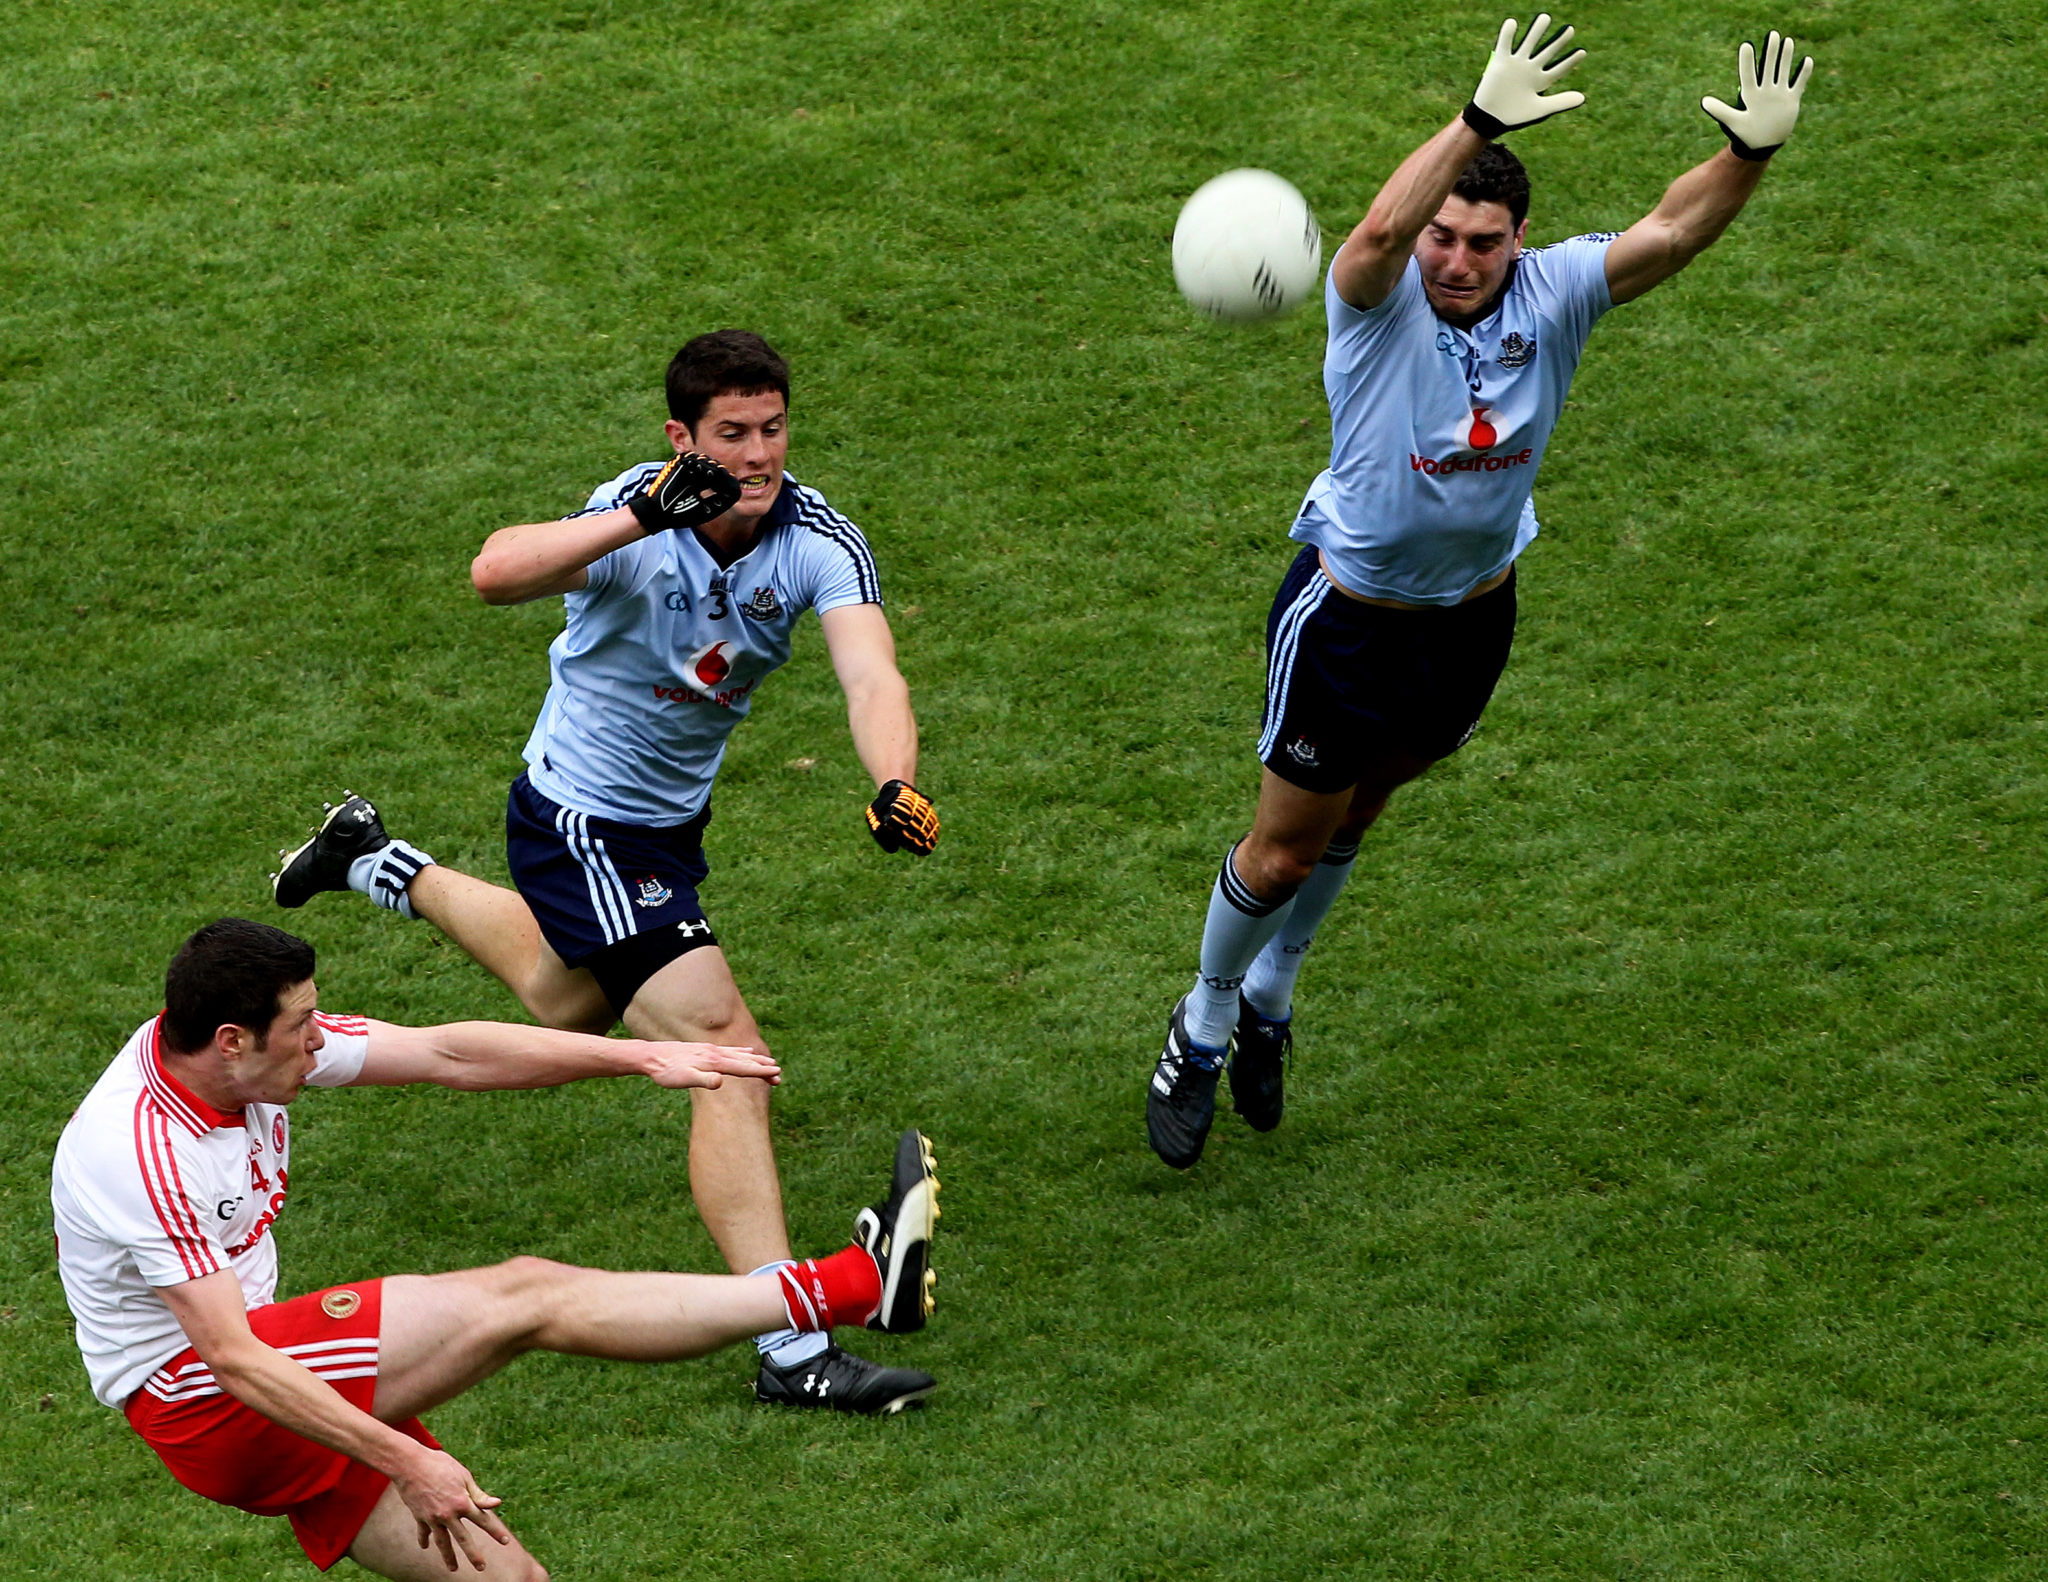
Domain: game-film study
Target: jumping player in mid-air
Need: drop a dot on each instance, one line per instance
(1450, 351)
(683, 578)
(172, 1171)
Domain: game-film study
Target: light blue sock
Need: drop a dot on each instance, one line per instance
(1269, 985)
(787, 1347)
(386, 875)
(1238, 926)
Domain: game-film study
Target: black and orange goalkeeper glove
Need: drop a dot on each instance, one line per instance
(690, 491)
(902, 818)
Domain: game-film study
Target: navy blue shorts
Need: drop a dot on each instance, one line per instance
(1347, 682)
(593, 882)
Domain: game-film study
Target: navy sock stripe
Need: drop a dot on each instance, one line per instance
(1239, 894)
(1336, 856)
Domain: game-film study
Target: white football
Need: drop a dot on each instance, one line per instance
(1247, 247)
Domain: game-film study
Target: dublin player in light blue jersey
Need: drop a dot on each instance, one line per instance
(1451, 347)
(683, 579)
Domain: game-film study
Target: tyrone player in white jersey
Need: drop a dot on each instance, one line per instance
(683, 580)
(1450, 351)
(173, 1170)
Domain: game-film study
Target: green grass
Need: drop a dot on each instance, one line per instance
(1660, 1194)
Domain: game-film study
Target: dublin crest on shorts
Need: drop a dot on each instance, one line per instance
(652, 892)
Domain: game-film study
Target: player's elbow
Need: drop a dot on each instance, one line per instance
(1377, 237)
(235, 1362)
(491, 578)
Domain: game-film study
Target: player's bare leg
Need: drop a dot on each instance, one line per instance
(445, 1333)
(389, 1546)
(732, 1156)
(495, 927)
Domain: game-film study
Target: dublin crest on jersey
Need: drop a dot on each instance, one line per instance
(1516, 349)
(763, 606)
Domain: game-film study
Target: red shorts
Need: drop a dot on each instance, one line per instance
(231, 1453)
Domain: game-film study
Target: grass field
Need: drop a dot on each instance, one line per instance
(1661, 1189)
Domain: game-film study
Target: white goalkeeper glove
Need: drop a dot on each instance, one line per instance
(1766, 110)
(1510, 96)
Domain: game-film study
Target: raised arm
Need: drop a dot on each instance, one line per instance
(1509, 96)
(1701, 204)
(884, 730)
(443, 1498)
(485, 1057)
(538, 559)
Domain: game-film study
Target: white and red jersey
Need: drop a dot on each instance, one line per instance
(153, 1186)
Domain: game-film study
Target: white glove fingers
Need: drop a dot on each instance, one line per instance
(1799, 82)
(1564, 101)
(1535, 32)
(1745, 60)
(1724, 113)
(1505, 44)
(1775, 51)
(1560, 69)
(1552, 49)
(1785, 65)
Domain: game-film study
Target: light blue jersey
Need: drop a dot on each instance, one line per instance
(1436, 432)
(664, 647)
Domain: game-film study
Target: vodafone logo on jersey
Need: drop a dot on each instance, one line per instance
(1476, 434)
(703, 672)
(709, 665)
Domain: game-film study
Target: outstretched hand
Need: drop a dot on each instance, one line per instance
(677, 1065)
(1510, 96)
(445, 1503)
(1767, 108)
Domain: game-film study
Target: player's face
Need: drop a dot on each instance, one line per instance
(1465, 253)
(747, 435)
(272, 1068)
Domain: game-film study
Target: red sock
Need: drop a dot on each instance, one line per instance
(844, 1287)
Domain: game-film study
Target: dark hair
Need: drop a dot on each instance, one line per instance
(1495, 176)
(723, 362)
(230, 972)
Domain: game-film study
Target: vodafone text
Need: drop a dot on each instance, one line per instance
(724, 700)
(1519, 458)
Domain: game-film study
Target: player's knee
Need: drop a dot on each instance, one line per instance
(724, 1020)
(517, 1566)
(572, 1012)
(1276, 870)
(522, 1279)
